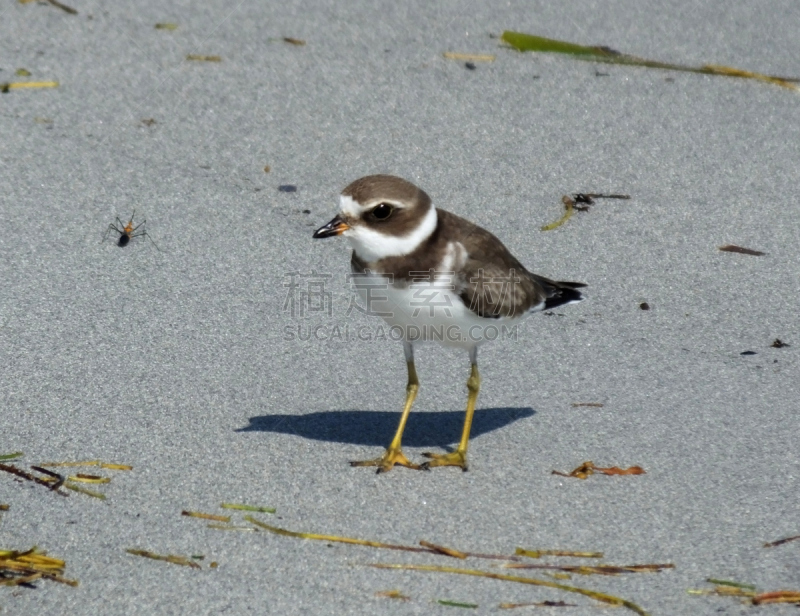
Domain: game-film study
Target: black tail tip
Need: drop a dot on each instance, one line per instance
(567, 294)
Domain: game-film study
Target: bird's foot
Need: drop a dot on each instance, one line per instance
(387, 461)
(454, 458)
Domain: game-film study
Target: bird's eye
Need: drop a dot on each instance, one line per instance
(382, 211)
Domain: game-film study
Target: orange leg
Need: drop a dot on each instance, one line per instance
(394, 453)
(459, 456)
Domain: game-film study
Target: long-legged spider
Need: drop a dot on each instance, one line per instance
(127, 231)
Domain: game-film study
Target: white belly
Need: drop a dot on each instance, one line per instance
(427, 312)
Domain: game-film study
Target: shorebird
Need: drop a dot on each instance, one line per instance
(443, 279)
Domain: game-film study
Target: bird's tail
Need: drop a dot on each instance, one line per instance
(563, 293)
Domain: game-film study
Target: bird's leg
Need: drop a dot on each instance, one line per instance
(394, 453)
(459, 456)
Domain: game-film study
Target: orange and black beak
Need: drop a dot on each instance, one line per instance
(337, 226)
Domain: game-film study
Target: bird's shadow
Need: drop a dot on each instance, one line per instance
(432, 429)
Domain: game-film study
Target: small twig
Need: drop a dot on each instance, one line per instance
(77, 488)
(63, 7)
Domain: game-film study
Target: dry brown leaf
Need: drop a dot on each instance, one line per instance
(443, 550)
(777, 596)
(571, 553)
(741, 250)
(508, 606)
(595, 569)
(201, 58)
(772, 544)
(588, 468)
(170, 558)
(469, 57)
(392, 594)
(206, 516)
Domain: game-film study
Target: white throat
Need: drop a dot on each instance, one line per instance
(371, 245)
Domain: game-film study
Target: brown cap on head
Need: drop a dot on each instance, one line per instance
(386, 187)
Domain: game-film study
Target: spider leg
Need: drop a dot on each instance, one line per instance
(152, 242)
(144, 233)
(108, 230)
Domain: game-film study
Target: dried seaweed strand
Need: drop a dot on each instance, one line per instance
(598, 596)
(77, 488)
(588, 468)
(63, 7)
(375, 544)
(568, 205)
(777, 596)
(741, 250)
(170, 558)
(443, 550)
(201, 58)
(723, 591)
(508, 606)
(540, 553)
(101, 464)
(335, 539)
(19, 85)
(529, 42)
(239, 507)
(392, 594)
(595, 570)
(10, 468)
(84, 478)
(469, 57)
(30, 565)
(206, 516)
(456, 603)
(58, 478)
(772, 544)
(231, 527)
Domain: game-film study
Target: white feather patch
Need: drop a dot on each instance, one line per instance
(371, 245)
(349, 207)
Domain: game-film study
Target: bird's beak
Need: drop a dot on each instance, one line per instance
(337, 226)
